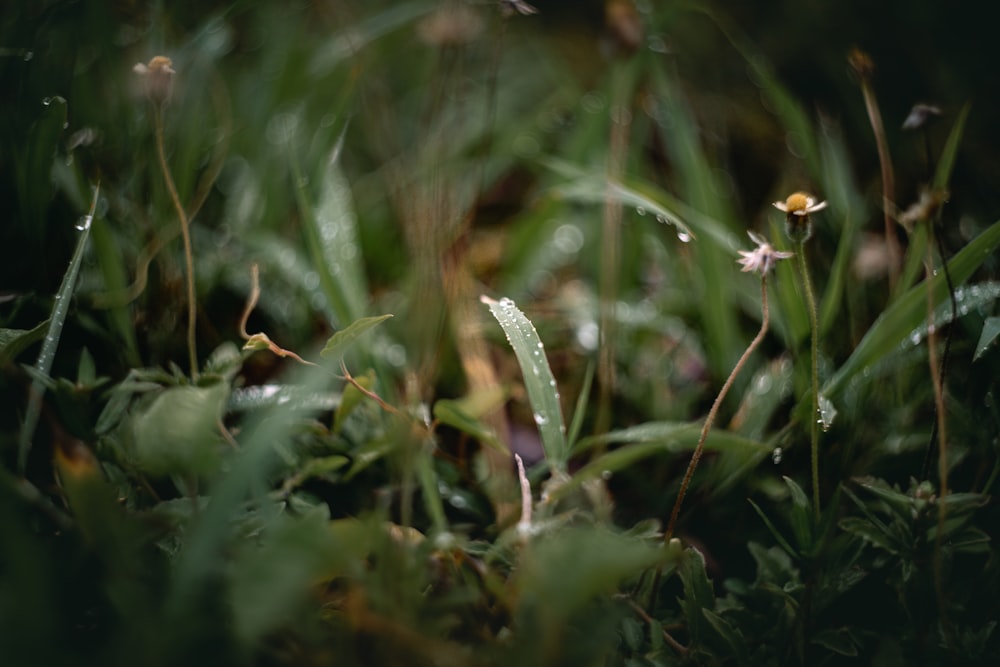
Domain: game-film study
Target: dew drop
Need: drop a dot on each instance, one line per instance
(683, 237)
(541, 419)
(28, 55)
(777, 455)
(640, 210)
(83, 224)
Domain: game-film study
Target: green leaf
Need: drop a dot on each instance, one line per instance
(838, 640)
(698, 593)
(779, 538)
(800, 516)
(272, 581)
(945, 164)
(453, 413)
(48, 352)
(352, 398)
(343, 339)
(332, 238)
(594, 187)
(568, 567)
(15, 341)
(988, 336)
(899, 320)
(178, 432)
(543, 393)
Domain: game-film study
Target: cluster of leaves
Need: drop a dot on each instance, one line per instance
(257, 510)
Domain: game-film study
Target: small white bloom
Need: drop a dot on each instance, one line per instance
(800, 204)
(762, 258)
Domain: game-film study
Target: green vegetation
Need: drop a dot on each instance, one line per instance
(415, 333)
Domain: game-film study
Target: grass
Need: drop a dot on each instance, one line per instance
(451, 478)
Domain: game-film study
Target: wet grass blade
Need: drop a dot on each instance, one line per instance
(908, 312)
(51, 342)
(543, 394)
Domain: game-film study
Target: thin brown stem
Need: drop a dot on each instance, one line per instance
(700, 447)
(863, 65)
(186, 235)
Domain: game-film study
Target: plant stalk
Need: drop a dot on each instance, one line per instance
(814, 371)
(188, 253)
(700, 447)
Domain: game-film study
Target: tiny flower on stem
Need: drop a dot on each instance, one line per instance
(762, 258)
(797, 208)
(159, 78)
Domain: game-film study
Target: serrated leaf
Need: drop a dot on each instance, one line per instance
(343, 339)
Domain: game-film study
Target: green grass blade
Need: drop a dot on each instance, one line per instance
(942, 175)
(332, 238)
(543, 394)
(51, 342)
(898, 321)
(109, 259)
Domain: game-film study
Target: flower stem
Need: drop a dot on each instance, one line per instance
(186, 235)
(814, 353)
(699, 448)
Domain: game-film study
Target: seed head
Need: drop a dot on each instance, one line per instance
(762, 258)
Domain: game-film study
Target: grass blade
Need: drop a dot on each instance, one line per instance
(51, 342)
(543, 394)
(909, 311)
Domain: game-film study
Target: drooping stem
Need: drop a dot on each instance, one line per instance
(700, 447)
(814, 371)
(186, 235)
(864, 67)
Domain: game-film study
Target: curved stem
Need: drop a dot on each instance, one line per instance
(814, 353)
(700, 447)
(186, 235)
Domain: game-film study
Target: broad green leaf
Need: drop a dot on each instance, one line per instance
(543, 394)
(343, 339)
(568, 567)
(178, 433)
(272, 576)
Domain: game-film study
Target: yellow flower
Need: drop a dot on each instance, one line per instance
(797, 208)
(799, 203)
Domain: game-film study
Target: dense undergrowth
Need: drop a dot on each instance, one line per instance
(464, 286)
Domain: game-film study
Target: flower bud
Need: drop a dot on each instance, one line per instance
(158, 77)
